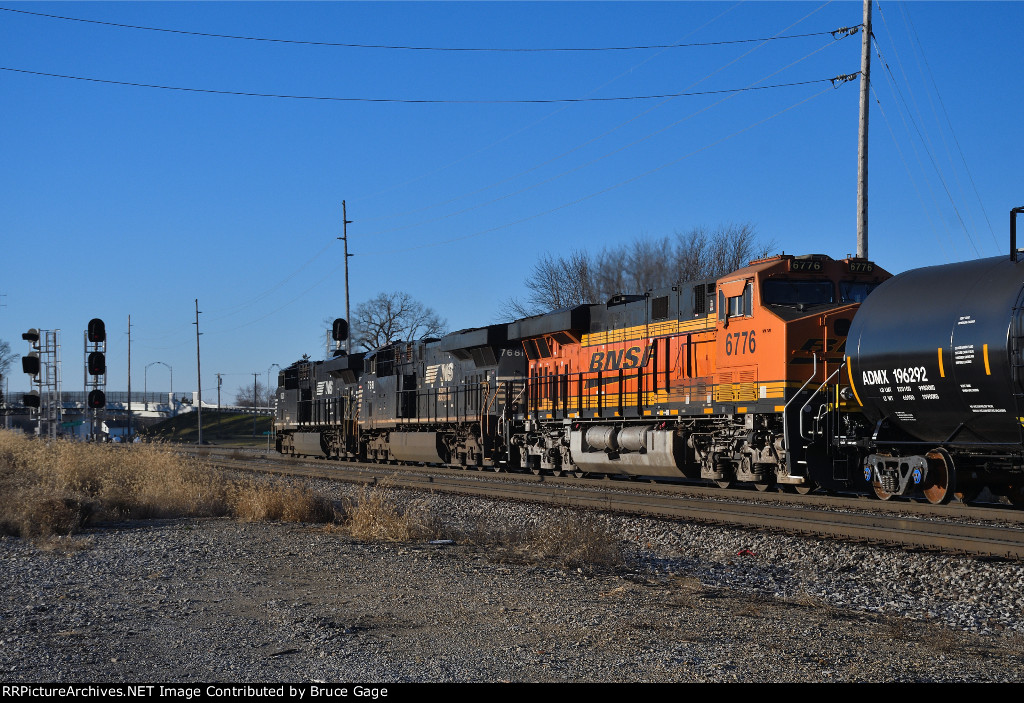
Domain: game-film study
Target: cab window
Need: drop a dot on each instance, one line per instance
(855, 291)
(777, 291)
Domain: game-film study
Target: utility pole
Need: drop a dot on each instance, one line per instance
(218, 400)
(199, 381)
(254, 381)
(345, 222)
(129, 378)
(862, 136)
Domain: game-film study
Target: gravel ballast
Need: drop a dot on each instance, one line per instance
(216, 600)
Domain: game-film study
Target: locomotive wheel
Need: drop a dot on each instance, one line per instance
(941, 484)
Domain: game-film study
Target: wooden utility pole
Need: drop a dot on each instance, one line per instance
(345, 222)
(199, 382)
(128, 437)
(862, 137)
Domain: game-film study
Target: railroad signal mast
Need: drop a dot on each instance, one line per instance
(42, 364)
(95, 353)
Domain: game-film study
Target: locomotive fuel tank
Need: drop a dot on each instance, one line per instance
(936, 353)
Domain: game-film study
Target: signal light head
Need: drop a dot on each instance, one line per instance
(97, 399)
(30, 364)
(32, 336)
(339, 330)
(97, 364)
(97, 331)
(30, 399)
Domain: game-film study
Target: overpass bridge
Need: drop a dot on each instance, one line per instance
(147, 405)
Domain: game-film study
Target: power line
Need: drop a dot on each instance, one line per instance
(407, 100)
(841, 30)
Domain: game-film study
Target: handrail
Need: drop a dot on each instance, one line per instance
(818, 390)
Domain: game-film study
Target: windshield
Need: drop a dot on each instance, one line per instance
(855, 291)
(788, 292)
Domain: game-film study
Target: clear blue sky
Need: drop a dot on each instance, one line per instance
(120, 200)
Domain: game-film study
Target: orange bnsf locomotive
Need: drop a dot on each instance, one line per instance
(723, 380)
(728, 380)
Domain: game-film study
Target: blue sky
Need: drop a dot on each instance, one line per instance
(120, 200)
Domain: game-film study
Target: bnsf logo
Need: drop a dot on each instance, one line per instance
(620, 358)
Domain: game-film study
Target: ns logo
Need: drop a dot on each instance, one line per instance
(615, 359)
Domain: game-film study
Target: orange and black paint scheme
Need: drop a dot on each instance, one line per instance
(728, 380)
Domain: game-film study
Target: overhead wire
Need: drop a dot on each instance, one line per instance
(399, 100)
(402, 47)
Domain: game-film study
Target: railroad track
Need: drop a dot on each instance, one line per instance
(983, 531)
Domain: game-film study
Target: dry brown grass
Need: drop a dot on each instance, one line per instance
(287, 503)
(572, 541)
(56, 488)
(376, 514)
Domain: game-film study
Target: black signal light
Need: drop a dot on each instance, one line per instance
(339, 330)
(97, 364)
(30, 399)
(97, 399)
(97, 331)
(31, 336)
(30, 364)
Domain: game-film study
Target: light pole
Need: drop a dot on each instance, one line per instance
(255, 377)
(272, 405)
(268, 380)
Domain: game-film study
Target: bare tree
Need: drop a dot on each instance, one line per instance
(558, 282)
(390, 317)
(7, 357)
(264, 396)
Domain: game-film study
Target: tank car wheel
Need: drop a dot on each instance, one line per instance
(579, 474)
(879, 492)
(941, 483)
(762, 487)
(723, 482)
